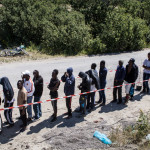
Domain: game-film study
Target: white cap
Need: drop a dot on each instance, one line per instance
(26, 72)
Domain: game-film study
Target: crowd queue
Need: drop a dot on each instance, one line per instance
(29, 89)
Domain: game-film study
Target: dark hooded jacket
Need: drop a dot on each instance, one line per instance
(94, 76)
(7, 88)
(85, 86)
(69, 87)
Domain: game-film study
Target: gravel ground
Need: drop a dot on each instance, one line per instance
(76, 133)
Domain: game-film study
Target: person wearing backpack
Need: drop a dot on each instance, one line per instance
(84, 87)
(8, 99)
(93, 74)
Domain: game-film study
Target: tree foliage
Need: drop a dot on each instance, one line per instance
(72, 26)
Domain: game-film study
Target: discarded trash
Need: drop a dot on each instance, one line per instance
(148, 137)
(102, 137)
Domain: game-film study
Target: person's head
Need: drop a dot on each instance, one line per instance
(69, 71)
(82, 75)
(26, 74)
(120, 63)
(102, 64)
(55, 73)
(149, 56)
(93, 66)
(35, 73)
(131, 61)
(20, 84)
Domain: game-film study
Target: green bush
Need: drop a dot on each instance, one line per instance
(123, 32)
(67, 33)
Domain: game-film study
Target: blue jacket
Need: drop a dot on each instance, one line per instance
(120, 73)
(69, 87)
(102, 76)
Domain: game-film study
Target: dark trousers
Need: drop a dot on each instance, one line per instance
(102, 93)
(54, 105)
(37, 107)
(68, 105)
(23, 117)
(117, 89)
(90, 100)
(8, 113)
(82, 101)
(146, 76)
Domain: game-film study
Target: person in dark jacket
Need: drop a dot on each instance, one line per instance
(53, 87)
(102, 78)
(69, 88)
(93, 74)
(130, 77)
(38, 84)
(8, 99)
(118, 80)
(84, 87)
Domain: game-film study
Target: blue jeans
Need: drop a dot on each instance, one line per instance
(37, 108)
(102, 93)
(146, 76)
(29, 108)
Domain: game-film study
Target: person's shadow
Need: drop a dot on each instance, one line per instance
(110, 107)
(61, 122)
(139, 96)
(9, 133)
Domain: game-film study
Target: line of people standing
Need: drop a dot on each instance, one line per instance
(91, 81)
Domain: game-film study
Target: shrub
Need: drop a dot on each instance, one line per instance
(123, 32)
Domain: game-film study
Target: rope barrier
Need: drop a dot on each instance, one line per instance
(71, 95)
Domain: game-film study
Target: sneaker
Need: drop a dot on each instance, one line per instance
(65, 114)
(126, 101)
(54, 119)
(29, 119)
(113, 101)
(78, 110)
(98, 102)
(102, 104)
(11, 125)
(23, 129)
(69, 116)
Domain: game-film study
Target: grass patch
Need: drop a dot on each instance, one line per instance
(135, 134)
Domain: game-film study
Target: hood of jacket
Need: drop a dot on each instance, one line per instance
(82, 75)
(4, 81)
(70, 71)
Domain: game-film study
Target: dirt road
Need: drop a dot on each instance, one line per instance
(76, 133)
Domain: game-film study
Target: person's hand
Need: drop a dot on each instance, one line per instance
(66, 74)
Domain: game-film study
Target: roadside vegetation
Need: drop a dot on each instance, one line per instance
(134, 134)
(72, 27)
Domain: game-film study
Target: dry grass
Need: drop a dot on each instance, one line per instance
(133, 134)
(32, 56)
